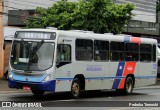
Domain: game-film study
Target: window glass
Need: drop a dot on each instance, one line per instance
(84, 49)
(101, 50)
(63, 53)
(131, 52)
(154, 53)
(117, 51)
(145, 52)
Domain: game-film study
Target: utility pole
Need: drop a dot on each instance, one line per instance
(1, 41)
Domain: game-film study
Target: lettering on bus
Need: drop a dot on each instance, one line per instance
(94, 68)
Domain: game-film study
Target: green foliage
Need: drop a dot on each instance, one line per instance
(100, 16)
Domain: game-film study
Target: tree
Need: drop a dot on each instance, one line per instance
(100, 16)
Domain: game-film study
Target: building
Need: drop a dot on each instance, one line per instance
(143, 23)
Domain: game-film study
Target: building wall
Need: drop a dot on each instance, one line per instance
(145, 10)
(31, 4)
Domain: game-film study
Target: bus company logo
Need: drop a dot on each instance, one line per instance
(154, 66)
(129, 68)
(26, 79)
(120, 67)
(94, 68)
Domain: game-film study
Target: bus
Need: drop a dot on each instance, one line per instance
(50, 60)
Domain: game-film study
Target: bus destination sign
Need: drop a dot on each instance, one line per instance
(36, 35)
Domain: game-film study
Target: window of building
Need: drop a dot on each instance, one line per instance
(84, 49)
(145, 52)
(131, 52)
(117, 51)
(101, 50)
(63, 53)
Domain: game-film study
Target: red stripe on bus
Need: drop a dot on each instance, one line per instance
(135, 40)
(128, 69)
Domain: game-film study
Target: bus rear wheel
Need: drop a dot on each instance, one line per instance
(37, 93)
(128, 87)
(76, 88)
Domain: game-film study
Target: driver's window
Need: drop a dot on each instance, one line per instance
(63, 53)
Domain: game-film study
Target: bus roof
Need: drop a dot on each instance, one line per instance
(92, 35)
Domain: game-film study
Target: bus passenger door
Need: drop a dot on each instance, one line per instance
(63, 67)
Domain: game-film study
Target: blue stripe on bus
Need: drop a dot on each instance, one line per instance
(114, 77)
(127, 39)
(119, 73)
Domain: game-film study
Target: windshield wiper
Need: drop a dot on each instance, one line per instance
(33, 53)
(36, 48)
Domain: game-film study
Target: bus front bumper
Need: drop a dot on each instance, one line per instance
(41, 86)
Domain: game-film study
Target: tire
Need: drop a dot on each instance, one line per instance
(128, 87)
(76, 88)
(37, 93)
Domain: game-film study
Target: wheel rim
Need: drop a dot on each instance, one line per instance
(75, 89)
(129, 87)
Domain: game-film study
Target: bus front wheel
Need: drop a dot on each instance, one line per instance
(128, 87)
(76, 88)
(37, 93)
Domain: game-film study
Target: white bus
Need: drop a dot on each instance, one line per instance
(58, 61)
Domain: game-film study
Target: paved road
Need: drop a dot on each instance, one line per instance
(105, 98)
(151, 93)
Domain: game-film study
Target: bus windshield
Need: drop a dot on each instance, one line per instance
(32, 56)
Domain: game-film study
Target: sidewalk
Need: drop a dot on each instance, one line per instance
(4, 87)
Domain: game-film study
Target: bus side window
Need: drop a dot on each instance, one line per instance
(131, 52)
(101, 50)
(145, 52)
(117, 51)
(63, 53)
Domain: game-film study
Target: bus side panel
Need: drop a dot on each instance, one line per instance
(147, 74)
(92, 73)
(116, 71)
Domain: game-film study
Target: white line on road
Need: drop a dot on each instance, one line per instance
(13, 93)
(124, 108)
(154, 94)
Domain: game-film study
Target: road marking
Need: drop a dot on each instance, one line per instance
(14, 93)
(154, 94)
(70, 100)
(125, 108)
(148, 87)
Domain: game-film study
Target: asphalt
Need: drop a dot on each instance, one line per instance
(4, 86)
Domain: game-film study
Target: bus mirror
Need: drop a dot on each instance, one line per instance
(4, 45)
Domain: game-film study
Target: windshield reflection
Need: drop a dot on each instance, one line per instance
(33, 56)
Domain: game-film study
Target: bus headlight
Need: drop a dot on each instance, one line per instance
(10, 76)
(47, 78)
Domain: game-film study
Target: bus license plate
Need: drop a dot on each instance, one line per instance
(26, 88)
